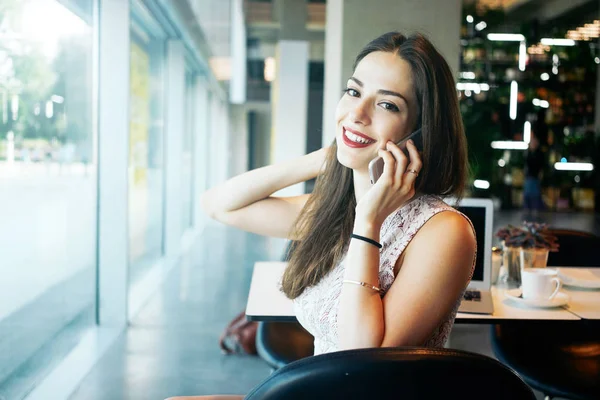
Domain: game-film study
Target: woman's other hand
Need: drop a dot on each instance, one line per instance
(322, 158)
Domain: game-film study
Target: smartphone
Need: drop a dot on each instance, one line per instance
(376, 164)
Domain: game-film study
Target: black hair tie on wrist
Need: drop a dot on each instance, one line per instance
(365, 239)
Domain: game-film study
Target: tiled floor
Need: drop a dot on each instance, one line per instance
(171, 347)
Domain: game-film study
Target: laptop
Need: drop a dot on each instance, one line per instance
(478, 297)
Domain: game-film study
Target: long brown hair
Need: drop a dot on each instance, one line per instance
(324, 227)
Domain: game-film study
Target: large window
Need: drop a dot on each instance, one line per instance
(146, 173)
(187, 176)
(47, 184)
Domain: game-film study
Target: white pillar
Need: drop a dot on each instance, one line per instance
(351, 25)
(226, 142)
(214, 138)
(201, 150)
(292, 16)
(112, 122)
(173, 136)
(237, 84)
(289, 105)
(238, 122)
(218, 142)
(333, 82)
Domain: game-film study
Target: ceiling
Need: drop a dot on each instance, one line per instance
(214, 17)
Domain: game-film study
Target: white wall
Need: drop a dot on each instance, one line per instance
(201, 149)
(289, 102)
(237, 84)
(227, 138)
(239, 140)
(332, 87)
(113, 143)
(174, 126)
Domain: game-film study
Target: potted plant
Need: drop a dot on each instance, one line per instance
(526, 246)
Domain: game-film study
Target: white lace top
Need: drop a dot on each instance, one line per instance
(317, 307)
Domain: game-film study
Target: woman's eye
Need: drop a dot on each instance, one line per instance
(389, 106)
(352, 92)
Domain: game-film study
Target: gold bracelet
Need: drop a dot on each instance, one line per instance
(365, 284)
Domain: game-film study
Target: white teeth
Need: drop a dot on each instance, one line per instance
(356, 138)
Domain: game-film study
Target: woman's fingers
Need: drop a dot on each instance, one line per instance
(415, 157)
(401, 162)
(401, 170)
(389, 165)
(415, 165)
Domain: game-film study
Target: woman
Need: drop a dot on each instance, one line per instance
(373, 265)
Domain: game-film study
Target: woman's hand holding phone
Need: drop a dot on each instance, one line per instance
(376, 165)
(396, 185)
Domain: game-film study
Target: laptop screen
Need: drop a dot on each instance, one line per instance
(477, 216)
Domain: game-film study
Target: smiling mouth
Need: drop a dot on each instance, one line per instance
(355, 138)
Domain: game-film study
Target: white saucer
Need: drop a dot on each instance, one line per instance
(586, 278)
(560, 299)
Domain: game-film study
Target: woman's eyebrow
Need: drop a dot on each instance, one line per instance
(380, 91)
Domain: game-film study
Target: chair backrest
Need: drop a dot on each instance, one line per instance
(576, 249)
(394, 373)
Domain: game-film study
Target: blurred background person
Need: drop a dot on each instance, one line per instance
(534, 164)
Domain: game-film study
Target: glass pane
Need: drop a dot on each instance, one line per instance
(146, 178)
(48, 187)
(187, 156)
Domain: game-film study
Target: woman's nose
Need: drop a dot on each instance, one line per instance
(360, 113)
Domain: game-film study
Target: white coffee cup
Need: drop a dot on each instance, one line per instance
(539, 283)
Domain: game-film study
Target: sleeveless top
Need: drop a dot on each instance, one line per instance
(317, 307)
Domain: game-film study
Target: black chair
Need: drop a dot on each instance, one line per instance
(576, 249)
(393, 373)
(558, 360)
(280, 343)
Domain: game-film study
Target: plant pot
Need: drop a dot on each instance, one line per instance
(511, 259)
(534, 258)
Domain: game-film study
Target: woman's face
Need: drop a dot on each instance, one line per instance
(379, 105)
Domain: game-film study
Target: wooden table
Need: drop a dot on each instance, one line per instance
(267, 303)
